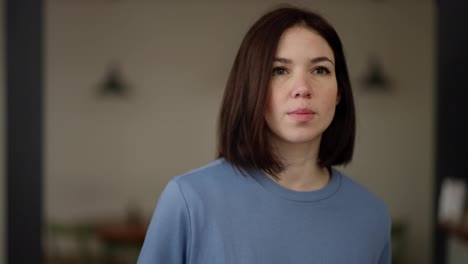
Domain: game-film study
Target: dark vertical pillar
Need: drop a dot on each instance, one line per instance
(24, 130)
(452, 104)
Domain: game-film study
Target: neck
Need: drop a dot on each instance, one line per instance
(302, 170)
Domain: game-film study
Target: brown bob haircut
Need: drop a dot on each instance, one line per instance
(242, 130)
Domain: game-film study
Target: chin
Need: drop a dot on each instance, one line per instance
(296, 136)
(300, 139)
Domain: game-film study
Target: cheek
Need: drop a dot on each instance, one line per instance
(332, 97)
(275, 99)
(273, 106)
(329, 103)
(332, 102)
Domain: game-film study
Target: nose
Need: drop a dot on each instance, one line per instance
(302, 92)
(301, 88)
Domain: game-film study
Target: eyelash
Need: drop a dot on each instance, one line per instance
(276, 69)
(324, 69)
(321, 68)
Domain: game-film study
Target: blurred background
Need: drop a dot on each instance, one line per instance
(130, 97)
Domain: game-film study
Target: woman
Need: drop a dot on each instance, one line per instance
(272, 196)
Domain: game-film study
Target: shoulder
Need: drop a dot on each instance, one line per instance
(211, 178)
(210, 172)
(360, 196)
(359, 191)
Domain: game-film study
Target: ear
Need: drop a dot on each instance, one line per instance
(338, 98)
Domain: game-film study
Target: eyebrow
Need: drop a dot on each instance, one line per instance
(314, 60)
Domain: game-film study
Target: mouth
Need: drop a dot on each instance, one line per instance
(301, 111)
(302, 114)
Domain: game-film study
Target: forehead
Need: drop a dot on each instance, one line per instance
(303, 41)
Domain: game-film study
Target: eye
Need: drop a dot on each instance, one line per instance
(279, 71)
(321, 70)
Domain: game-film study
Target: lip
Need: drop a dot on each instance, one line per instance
(302, 111)
(302, 114)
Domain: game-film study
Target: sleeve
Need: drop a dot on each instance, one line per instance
(386, 256)
(386, 253)
(168, 233)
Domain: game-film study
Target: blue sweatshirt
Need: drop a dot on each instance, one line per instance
(216, 215)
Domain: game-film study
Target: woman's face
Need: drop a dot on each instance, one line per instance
(303, 91)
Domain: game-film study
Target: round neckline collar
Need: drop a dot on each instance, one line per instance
(299, 196)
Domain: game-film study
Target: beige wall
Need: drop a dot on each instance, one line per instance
(394, 151)
(104, 153)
